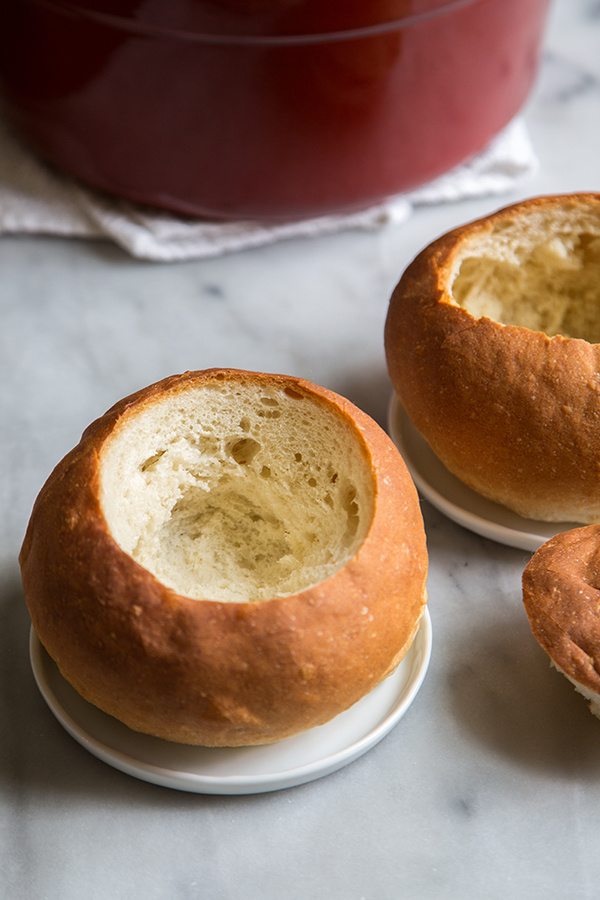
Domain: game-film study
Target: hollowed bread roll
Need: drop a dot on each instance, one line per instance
(227, 558)
(492, 346)
(561, 592)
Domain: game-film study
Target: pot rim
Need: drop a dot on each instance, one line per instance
(148, 30)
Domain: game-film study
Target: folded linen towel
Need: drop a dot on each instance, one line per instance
(34, 198)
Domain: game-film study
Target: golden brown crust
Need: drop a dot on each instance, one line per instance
(561, 593)
(511, 412)
(206, 672)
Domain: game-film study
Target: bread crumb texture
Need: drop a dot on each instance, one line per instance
(237, 492)
(539, 269)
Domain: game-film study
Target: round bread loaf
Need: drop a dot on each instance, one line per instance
(492, 346)
(561, 592)
(227, 558)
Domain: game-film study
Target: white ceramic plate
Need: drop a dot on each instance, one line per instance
(246, 770)
(448, 494)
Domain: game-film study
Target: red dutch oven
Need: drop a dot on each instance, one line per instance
(264, 109)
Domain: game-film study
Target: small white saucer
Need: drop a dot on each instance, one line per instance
(247, 770)
(464, 506)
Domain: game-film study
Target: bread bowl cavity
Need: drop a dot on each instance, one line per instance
(538, 270)
(237, 491)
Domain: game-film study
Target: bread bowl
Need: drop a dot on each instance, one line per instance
(561, 593)
(227, 558)
(492, 346)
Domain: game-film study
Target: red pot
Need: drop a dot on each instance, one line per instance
(265, 109)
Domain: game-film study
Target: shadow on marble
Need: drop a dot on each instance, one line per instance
(94, 248)
(451, 543)
(370, 390)
(505, 694)
(107, 251)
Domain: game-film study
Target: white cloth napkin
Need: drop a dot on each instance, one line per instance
(36, 199)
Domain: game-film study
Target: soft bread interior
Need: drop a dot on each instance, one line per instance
(237, 491)
(538, 268)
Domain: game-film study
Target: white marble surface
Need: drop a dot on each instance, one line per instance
(490, 787)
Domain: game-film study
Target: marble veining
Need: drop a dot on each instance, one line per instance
(566, 80)
(490, 786)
